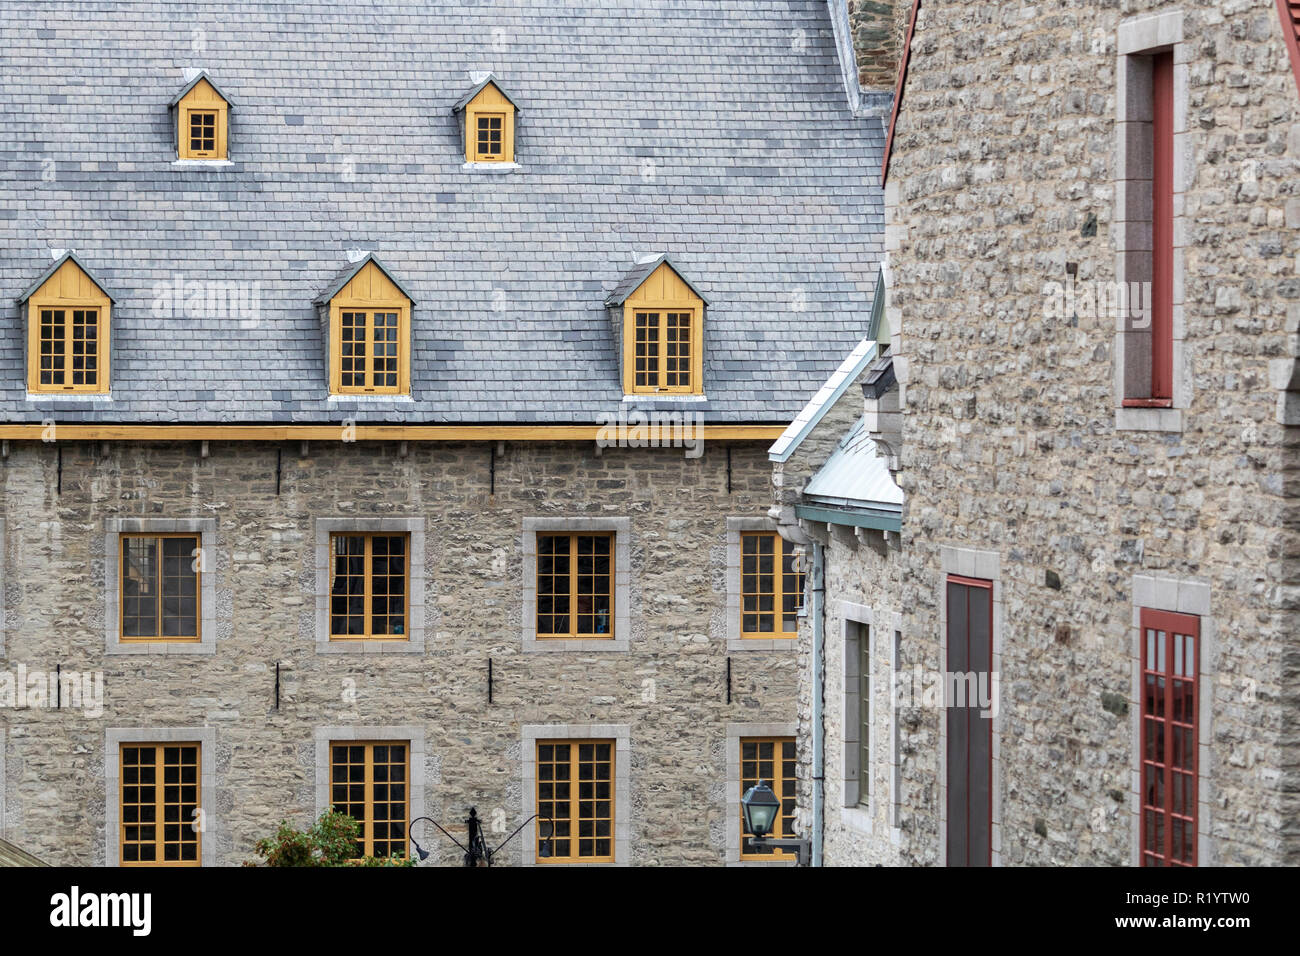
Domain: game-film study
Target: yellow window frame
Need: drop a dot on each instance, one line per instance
(370, 292)
(566, 840)
(368, 586)
(786, 565)
(780, 773)
(490, 103)
(573, 594)
(663, 293)
(122, 577)
(158, 806)
(68, 290)
(201, 100)
(366, 840)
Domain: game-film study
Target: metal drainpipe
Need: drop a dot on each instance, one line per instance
(819, 693)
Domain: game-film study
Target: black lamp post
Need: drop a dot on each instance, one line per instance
(478, 852)
(760, 807)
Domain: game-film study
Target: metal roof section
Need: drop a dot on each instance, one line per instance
(855, 475)
(822, 402)
(350, 270)
(58, 264)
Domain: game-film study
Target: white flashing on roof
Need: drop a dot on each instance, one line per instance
(839, 13)
(57, 254)
(821, 403)
(650, 257)
(190, 72)
(356, 255)
(478, 76)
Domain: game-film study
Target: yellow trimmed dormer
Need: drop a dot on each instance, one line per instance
(202, 121)
(489, 118)
(369, 317)
(68, 321)
(662, 332)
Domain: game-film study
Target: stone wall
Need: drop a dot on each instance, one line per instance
(1003, 172)
(669, 688)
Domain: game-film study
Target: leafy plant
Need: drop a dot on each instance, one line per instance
(331, 841)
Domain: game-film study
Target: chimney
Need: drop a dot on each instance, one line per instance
(878, 28)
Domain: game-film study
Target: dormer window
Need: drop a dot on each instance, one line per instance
(202, 121)
(662, 330)
(68, 315)
(368, 317)
(489, 123)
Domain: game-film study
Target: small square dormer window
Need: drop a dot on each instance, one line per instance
(662, 330)
(368, 317)
(68, 325)
(489, 123)
(202, 121)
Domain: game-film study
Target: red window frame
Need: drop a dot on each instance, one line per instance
(1162, 234)
(986, 857)
(1170, 708)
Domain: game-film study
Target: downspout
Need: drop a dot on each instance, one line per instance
(819, 694)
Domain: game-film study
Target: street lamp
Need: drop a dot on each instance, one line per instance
(760, 807)
(478, 851)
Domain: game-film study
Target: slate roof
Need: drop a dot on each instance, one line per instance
(633, 278)
(477, 88)
(691, 127)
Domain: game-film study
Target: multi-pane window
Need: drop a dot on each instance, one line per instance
(159, 581)
(369, 781)
(1170, 651)
(69, 348)
(575, 794)
(769, 760)
(203, 133)
(160, 818)
(575, 585)
(368, 586)
(368, 351)
(489, 133)
(771, 585)
(663, 351)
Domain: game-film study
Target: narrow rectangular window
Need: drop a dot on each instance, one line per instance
(969, 722)
(69, 344)
(769, 760)
(159, 587)
(857, 714)
(677, 350)
(575, 795)
(369, 782)
(771, 585)
(1170, 656)
(647, 349)
(1162, 228)
(575, 585)
(369, 586)
(160, 810)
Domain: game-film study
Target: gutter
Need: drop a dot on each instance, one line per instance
(818, 701)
